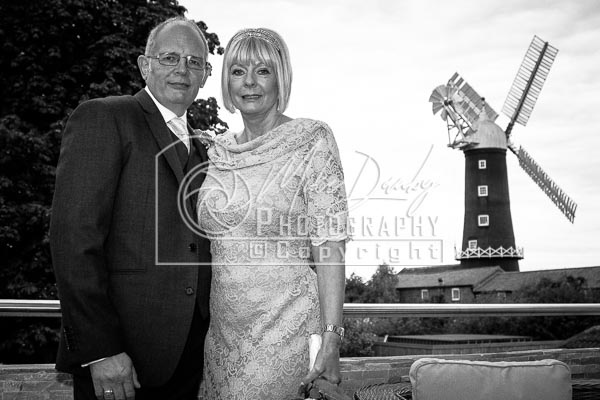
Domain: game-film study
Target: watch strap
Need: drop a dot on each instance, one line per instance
(335, 329)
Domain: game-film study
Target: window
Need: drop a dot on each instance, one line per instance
(472, 244)
(483, 220)
(424, 294)
(455, 294)
(482, 164)
(482, 191)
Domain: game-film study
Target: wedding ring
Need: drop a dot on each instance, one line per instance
(109, 394)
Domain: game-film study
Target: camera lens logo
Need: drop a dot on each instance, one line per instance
(222, 204)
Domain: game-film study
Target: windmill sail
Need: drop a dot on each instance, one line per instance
(528, 82)
(555, 193)
(472, 103)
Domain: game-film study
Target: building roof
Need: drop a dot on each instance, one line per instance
(428, 269)
(586, 339)
(512, 281)
(430, 278)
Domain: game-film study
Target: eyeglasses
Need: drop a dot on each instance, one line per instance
(193, 62)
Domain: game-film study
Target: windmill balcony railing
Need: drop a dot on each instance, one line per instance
(510, 252)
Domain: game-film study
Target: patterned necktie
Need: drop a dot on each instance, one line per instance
(179, 128)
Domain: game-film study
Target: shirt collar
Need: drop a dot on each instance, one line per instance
(164, 111)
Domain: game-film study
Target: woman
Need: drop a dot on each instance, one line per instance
(273, 204)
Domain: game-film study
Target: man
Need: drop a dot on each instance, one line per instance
(134, 299)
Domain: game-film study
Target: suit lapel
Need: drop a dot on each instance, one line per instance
(197, 144)
(161, 133)
(197, 159)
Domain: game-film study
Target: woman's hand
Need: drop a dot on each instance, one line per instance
(327, 363)
(329, 261)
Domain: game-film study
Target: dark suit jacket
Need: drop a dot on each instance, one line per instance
(125, 260)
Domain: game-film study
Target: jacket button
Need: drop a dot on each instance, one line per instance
(192, 247)
(189, 291)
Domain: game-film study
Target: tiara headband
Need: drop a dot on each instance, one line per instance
(260, 34)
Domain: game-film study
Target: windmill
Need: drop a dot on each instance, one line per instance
(488, 237)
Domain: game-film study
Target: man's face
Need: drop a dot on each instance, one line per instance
(175, 87)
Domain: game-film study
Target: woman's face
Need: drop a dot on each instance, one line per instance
(253, 87)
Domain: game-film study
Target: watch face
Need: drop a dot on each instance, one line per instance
(335, 329)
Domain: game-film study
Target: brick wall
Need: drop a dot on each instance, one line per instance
(414, 295)
(410, 296)
(33, 382)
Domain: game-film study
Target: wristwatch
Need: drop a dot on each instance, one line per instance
(335, 329)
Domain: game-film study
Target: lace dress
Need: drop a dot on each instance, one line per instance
(263, 204)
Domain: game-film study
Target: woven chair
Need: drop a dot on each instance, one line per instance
(385, 391)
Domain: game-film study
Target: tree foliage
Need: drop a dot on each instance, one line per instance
(56, 54)
(359, 338)
(381, 288)
(355, 289)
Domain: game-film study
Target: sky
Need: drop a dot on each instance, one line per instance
(367, 69)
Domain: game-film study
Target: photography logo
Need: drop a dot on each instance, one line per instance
(386, 221)
(278, 217)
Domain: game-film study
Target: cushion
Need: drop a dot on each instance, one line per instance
(438, 379)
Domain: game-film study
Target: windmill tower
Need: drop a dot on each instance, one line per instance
(488, 236)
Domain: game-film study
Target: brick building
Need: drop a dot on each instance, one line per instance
(441, 284)
(455, 283)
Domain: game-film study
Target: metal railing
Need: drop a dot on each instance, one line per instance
(470, 310)
(29, 308)
(510, 252)
(51, 308)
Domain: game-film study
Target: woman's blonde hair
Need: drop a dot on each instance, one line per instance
(263, 45)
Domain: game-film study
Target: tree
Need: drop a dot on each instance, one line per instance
(362, 333)
(355, 289)
(56, 54)
(358, 339)
(382, 286)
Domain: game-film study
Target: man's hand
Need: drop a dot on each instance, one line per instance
(115, 373)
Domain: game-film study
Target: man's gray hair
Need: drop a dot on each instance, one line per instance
(151, 41)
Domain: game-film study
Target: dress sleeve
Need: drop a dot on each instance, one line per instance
(324, 190)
